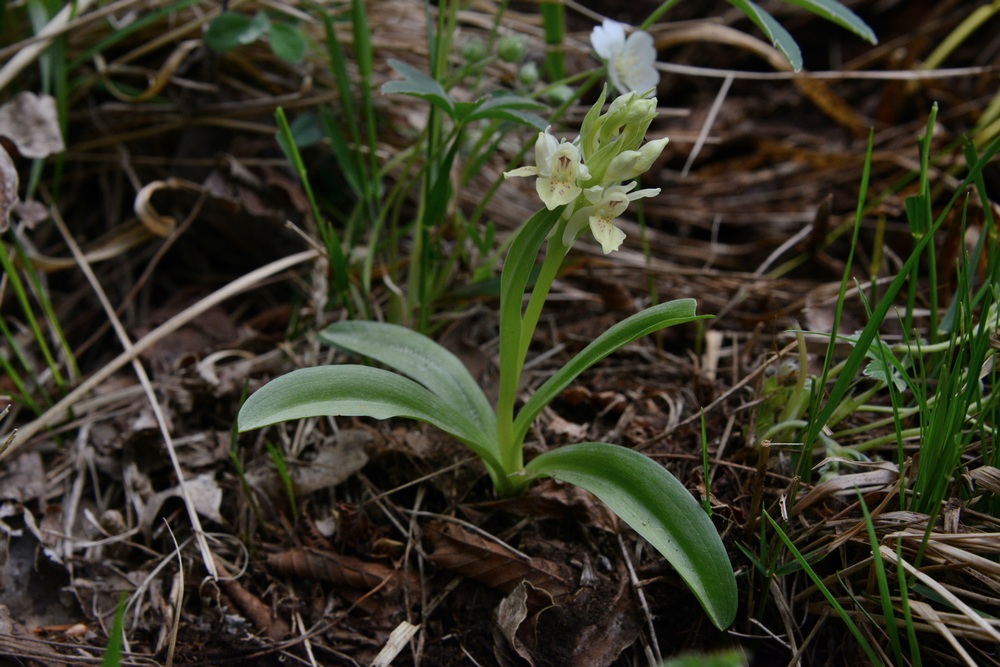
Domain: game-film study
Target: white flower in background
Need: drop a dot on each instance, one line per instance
(558, 167)
(607, 203)
(631, 61)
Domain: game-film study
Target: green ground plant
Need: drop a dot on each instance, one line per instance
(581, 187)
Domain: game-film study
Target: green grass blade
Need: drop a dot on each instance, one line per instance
(883, 585)
(818, 581)
(113, 651)
(278, 458)
(338, 262)
(858, 354)
(658, 507)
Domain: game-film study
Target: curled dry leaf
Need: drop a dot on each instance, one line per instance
(160, 225)
(251, 606)
(205, 495)
(491, 563)
(510, 631)
(30, 121)
(337, 569)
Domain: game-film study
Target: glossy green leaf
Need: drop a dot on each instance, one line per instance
(658, 507)
(777, 34)
(229, 30)
(287, 42)
(419, 358)
(628, 330)
(359, 391)
(833, 11)
(418, 84)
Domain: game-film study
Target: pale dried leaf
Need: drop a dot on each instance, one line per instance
(511, 613)
(8, 188)
(205, 495)
(30, 121)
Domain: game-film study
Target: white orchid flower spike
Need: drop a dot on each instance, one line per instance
(631, 61)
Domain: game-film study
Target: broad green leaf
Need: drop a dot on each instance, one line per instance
(419, 358)
(837, 13)
(418, 84)
(287, 42)
(230, 29)
(358, 391)
(658, 507)
(628, 330)
(777, 34)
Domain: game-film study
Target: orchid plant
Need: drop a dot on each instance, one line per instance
(584, 184)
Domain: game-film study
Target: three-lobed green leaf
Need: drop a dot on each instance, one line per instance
(658, 507)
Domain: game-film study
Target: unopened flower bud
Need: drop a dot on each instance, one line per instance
(474, 50)
(511, 48)
(630, 164)
(561, 94)
(528, 74)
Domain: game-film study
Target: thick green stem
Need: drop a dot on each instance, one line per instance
(511, 447)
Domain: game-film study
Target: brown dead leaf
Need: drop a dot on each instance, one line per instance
(588, 629)
(510, 617)
(205, 495)
(336, 459)
(23, 478)
(492, 563)
(30, 121)
(550, 499)
(338, 569)
(251, 606)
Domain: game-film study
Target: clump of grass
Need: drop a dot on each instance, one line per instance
(936, 389)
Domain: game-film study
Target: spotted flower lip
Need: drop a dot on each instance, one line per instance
(607, 204)
(559, 169)
(631, 60)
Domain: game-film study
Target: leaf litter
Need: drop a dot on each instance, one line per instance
(377, 546)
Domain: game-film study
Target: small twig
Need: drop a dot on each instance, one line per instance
(178, 605)
(706, 127)
(657, 657)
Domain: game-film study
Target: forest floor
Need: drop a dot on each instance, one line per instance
(329, 541)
